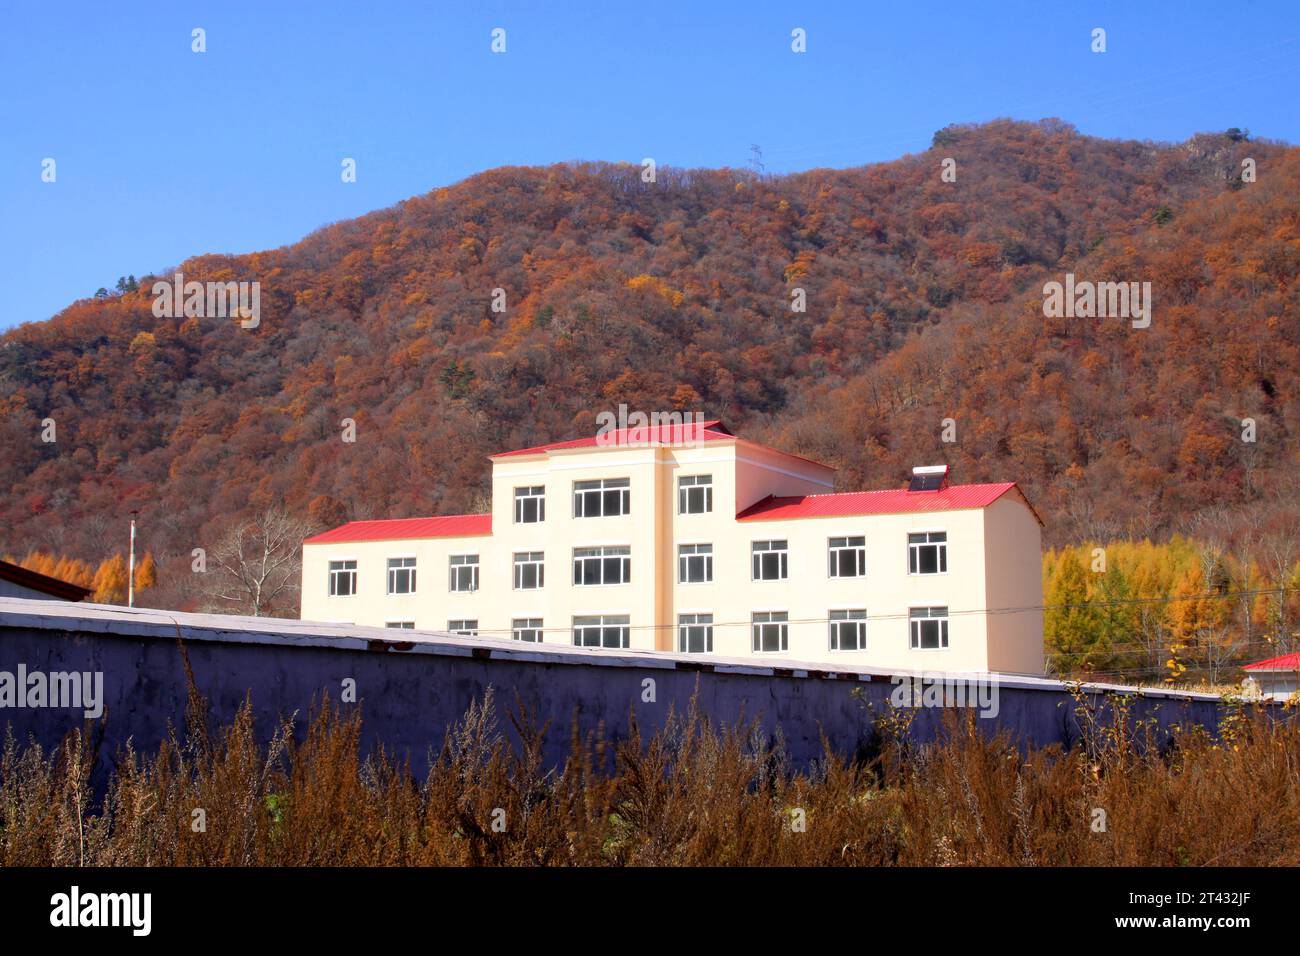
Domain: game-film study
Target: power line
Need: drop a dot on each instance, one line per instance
(904, 616)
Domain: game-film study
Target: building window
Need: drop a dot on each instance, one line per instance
(927, 553)
(604, 498)
(608, 630)
(929, 628)
(695, 633)
(465, 628)
(527, 629)
(464, 572)
(849, 630)
(530, 504)
(401, 575)
(343, 578)
(530, 570)
(848, 557)
(404, 625)
(694, 563)
(771, 632)
(770, 560)
(694, 494)
(602, 565)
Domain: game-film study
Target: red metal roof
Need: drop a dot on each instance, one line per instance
(685, 434)
(898, 501)
(398, 529)
(1287, 662)
(688, 434)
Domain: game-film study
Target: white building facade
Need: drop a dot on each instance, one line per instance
(702, 542)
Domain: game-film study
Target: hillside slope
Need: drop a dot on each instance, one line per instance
(924, 304)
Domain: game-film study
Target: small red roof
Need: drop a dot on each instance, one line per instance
(684, 434)
(398, 529)
(1287, 662)
(898, 501)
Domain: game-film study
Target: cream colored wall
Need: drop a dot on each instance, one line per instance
(431, 607)
(559, 602)
(761, 472)
(1013, 544)
(742, 474)
(887, 592)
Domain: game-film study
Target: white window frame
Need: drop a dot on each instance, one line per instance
(703, 557)
(914, 548)
(603, 623)
(687, 486)
(756, 553)
(532, 625)
(350, 572)
(400, 625)
(469, 626)
(833, 551)
(453, 578)
(392, 573)
(531, 493)
(914, 621)
(533, 559)
(690, 621)
(835, 635)
(599, 489)
(769, 618)
(608, 552)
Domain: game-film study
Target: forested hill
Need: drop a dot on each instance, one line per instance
(924, 303)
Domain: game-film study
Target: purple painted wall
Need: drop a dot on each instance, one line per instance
(411, 692)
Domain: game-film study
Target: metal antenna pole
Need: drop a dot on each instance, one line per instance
(130, 574)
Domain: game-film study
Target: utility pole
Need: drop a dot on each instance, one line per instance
(130, 574)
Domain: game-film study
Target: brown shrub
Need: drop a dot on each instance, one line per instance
(693, 794)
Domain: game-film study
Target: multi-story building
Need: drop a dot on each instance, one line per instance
(705, 543)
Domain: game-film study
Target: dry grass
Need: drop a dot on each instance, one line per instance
(694, 794)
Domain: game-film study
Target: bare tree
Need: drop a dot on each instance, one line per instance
(1217, 649)
(1278, 549)
(1154, 636)
(480, 501)
(257, 564)
(1279, 553)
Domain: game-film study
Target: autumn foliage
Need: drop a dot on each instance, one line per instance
(1186, 610)
(924, 306)
(108, 580)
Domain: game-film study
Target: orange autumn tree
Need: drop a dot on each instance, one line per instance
(146, 573)
(110, 581)
(72, 570)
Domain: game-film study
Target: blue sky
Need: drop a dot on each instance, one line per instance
(163, 153)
